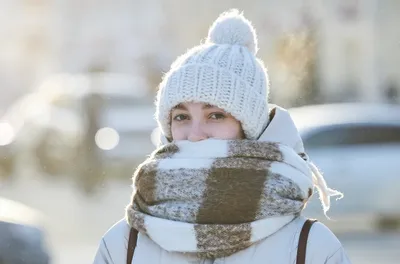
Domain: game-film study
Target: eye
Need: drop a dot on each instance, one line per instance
(180, 117)
(217, 116)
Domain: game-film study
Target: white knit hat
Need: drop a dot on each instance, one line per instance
(223, 72)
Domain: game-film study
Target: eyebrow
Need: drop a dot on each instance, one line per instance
(183, 107)
(179, 107)
(208, 106)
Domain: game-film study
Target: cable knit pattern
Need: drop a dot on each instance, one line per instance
(223, 72)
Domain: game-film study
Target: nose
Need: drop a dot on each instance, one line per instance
(197, 133)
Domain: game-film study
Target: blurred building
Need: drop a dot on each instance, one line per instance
(346, 50)
(359, 51)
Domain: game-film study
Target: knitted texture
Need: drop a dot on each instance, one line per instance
(223, 72)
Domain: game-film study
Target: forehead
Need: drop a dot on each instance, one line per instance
(191, 105)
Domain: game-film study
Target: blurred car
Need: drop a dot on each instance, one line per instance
(7, 150)
(7, 161)
(59, 124)
(357, 148)
(22, 240)
(134, 122)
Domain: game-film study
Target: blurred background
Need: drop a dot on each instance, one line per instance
(78, 80)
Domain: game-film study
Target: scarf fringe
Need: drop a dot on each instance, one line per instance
(323, 190)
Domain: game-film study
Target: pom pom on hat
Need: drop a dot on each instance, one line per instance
(233, 28)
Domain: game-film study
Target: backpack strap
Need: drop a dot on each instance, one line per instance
(302, 246)
(131, 245)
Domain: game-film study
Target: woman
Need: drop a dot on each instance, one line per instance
(231, 178)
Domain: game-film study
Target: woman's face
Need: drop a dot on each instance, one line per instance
(198, 121)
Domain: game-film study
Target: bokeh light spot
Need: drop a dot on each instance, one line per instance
(107, 138)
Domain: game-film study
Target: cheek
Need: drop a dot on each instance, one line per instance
(178, 132)
(231, 130)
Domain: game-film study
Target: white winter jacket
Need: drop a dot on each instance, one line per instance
(322, 248)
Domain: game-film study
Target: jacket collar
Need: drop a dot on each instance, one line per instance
(282, 129)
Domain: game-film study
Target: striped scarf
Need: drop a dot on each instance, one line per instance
(217, 197)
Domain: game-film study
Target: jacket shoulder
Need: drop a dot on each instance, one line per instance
(113, 245)
(282, 246)
(119, 230)
(320, 232)
(320, 235)
(324, 246)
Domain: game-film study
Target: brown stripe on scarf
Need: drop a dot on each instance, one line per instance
(136, 219)
(230, 238)
(145, 176)
(232, 194)
(255, 149)
(237, 201)
(165, 151)
(241, 163)
(177, 184)
(146, 188)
